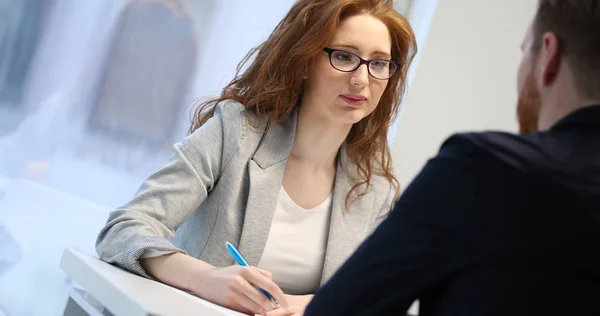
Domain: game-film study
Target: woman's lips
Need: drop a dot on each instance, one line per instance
(354, 100)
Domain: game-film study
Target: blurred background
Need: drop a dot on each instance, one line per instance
(94, 92)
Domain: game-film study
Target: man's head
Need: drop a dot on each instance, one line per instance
(560, 68)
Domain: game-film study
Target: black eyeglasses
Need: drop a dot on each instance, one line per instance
(381, 69)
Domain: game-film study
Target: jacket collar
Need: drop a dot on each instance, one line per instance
(588, 116)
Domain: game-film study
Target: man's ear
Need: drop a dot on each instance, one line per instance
(550, 58)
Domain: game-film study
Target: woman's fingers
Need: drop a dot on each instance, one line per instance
(242, 286)
(246, 305)
(265, 273)
(257, 279)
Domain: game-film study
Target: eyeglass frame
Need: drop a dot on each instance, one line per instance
(362, 61)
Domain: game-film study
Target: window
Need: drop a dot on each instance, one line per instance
(403, 6)
(148, 69)
(20, 25)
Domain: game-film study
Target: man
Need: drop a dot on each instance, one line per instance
(500, 224)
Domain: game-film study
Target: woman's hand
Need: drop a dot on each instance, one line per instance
(235, 287)
(297, 304)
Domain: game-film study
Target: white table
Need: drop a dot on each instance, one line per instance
(109, 290)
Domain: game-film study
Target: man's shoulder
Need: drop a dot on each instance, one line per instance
(517, 151)
(485, 141)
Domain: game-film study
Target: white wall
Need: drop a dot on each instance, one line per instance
(465, 80)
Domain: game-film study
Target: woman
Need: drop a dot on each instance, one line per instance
(291, 164)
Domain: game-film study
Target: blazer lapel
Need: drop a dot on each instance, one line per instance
(347, 228)
(266, 169)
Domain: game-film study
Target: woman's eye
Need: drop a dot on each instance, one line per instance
(343, 57)
(379, 64)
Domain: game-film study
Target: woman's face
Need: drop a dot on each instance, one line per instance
(348, 97)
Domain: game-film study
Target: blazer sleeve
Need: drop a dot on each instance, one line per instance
(143, 226)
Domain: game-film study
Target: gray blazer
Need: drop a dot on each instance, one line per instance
(222, 185)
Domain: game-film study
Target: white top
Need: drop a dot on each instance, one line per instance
(295, 249)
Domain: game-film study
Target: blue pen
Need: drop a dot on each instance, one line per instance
(237, 256)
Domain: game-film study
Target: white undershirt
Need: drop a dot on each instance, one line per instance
(295, 249)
